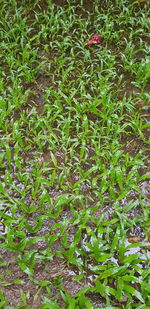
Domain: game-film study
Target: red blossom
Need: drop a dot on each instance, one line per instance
(96, 39)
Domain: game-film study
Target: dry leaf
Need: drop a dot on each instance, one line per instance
(135, 239)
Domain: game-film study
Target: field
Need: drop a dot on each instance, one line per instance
(74, 154)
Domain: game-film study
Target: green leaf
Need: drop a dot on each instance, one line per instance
(44, 283)
(145, 176)
(49, 304)
(131, 278)
(53, 159)
(18, 281)
(119, 291)
(115, 240)
(133, 291)
(113, 271)
(3, 303)
(132, 257)
(99, 287)
(113, 221)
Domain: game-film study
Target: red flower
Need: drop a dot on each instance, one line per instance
(96, 39)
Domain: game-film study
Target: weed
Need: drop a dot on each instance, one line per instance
(74, 155)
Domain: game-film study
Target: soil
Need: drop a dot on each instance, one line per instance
(57, 268)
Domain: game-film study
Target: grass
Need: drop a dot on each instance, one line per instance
(74, 157)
